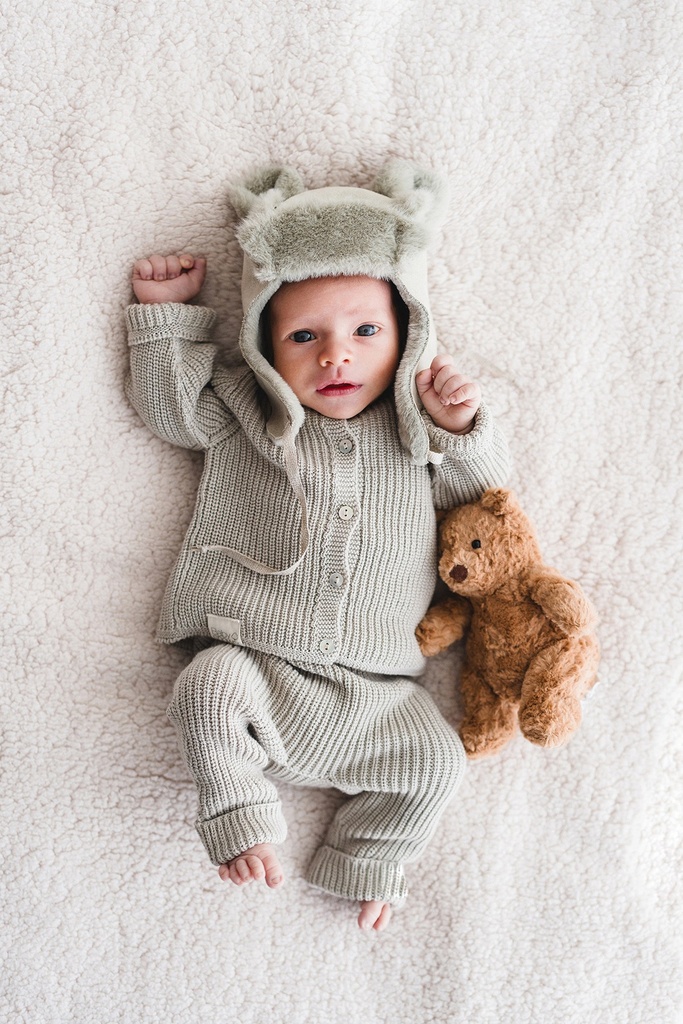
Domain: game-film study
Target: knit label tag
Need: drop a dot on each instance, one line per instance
(224, 629)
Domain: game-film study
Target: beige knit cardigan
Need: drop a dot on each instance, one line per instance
(359, 589)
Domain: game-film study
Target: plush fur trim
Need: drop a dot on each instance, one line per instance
(312, 240)
(411, 428)
(286, 414)
(419, 194)
(265, 190)
(338, 230)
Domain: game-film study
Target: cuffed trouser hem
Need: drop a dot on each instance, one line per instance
(357, 879)
(233, 833)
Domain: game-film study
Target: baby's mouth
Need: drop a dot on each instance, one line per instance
(337, 387)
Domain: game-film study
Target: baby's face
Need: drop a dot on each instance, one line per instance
(336, 342)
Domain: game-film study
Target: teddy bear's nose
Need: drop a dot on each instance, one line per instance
(458, 573)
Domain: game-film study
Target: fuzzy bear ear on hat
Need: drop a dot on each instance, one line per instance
(421, 195)
(499, 501)
(265, 190)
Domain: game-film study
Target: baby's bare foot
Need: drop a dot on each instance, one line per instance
(256, 863)
(374, 914)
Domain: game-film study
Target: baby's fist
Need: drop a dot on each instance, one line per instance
(168, 278)
(450, 399)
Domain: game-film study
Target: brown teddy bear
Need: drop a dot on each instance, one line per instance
(531, 652)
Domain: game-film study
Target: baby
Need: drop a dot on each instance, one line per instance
(311, 556)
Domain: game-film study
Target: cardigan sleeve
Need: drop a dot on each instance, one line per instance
(171, 365)
(470, 463)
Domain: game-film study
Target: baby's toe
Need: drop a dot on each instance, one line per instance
(374, 915)
(272, 871)
(256, 868)
(383, 919)
(242, 870)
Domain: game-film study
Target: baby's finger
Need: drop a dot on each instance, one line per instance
(173, 267)
(158, 267)
(142, 270)
(448, 380)
(198, 271)
(423, 381)
(468, 392)
(186, 260)
(438, 362)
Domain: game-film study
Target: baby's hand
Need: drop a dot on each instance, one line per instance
(168, 278)
(450, 399)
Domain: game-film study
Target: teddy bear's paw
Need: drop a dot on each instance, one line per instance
(442, 625)
(431, 634)
(478, 745)
(427, 642)
(550, 723)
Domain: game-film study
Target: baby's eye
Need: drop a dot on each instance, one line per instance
(302, 336)
(367, 330)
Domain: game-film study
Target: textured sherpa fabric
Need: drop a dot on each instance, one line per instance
(551, 891)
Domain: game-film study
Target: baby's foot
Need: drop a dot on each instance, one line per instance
(254, 864)
(374, 914)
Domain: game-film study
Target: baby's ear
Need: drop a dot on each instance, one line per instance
(419, 194)
(265, 190)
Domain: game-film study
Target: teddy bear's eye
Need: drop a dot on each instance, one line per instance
(476, 544)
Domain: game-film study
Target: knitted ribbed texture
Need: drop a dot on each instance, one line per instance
(365, 880)
(240, 713)
(239, 830)
(306, 689)
(369, 572)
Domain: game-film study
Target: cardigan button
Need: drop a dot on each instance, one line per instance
(326, 646)
(336, 580)
(345, 512)
(345, 446)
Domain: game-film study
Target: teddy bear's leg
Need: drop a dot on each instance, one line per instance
(556, 680)
(488, 722)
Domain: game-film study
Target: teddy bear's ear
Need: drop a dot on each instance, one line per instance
(498, 500)
(419, 194)
(265, 190)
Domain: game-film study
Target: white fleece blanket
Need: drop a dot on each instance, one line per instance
(551, 893)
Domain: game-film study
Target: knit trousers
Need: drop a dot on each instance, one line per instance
(241, 714)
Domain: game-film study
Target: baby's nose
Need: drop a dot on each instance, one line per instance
(334, 354)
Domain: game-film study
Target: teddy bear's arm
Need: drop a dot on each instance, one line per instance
(443, 624)
(563, 601)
